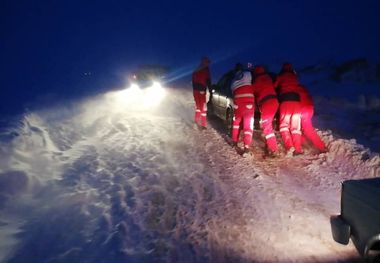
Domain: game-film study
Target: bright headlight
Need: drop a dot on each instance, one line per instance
(136, 98)
(134, 86)
(155, 93)
(156, 85)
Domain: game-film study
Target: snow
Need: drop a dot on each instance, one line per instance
(111, 179)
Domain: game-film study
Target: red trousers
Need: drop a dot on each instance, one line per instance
(290, 125)
(244, 111)
(268, 110)
(200, 107)
(308, 129)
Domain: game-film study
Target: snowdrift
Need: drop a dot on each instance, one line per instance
(114, 179)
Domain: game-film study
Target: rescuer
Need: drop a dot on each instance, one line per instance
(287, 86)
(307, 112)
(244, 106)
(266, 100)
(201, 80)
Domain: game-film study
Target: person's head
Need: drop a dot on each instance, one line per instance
(238, 67)
(205, 61)
(287, 67)
(259, 70)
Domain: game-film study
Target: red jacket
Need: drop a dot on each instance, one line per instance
(263, 87)
(201, 78)
(286, 82)
(287, 86)
(244, 91)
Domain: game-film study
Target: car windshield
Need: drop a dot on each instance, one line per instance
(224, 84)
(148, 73)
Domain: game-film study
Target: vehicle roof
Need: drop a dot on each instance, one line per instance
(365, 190)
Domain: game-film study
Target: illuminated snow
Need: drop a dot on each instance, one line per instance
(119, 179)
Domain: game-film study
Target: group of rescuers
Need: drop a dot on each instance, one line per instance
(255, 87)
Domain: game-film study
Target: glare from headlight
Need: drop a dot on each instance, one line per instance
(156, 85)
(136, 98)
(134, 86)
(154, 94)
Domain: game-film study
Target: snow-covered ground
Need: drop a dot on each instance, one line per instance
(110, 179)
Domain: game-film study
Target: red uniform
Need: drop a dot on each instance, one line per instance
(244, 107)
(267, 102)
(201, 80)
(290, 108)
(307, 112)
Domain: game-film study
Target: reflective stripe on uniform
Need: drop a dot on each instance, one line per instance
(235, 127)
(270, 135)
(248, 133)
(202, 92)
(299, 124)
(284, 129)
(244, 95)
(203, 114)
(296, 132)
(198, 110)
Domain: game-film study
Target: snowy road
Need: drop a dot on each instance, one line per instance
(102, 182)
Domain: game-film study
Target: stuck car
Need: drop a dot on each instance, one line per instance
(220, 103)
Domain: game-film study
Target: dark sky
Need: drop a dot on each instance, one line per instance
(47, 46)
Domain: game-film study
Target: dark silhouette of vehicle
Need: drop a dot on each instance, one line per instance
(146, 75)
(359, 217)
(220, 103)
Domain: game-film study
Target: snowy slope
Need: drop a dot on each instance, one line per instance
(347, 96)
(111, 179)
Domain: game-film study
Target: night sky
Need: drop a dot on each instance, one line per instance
(71, 47)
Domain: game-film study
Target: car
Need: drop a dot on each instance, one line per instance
(147, 76)
(359, 218)
(220, 103)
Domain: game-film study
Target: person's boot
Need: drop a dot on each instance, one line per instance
(234, 144)
(290, 151)
(272, 154)
(324, 150)
(246, 152)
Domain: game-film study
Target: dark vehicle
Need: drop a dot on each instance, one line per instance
(359, 218)
(220, 103)
(148, 75)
